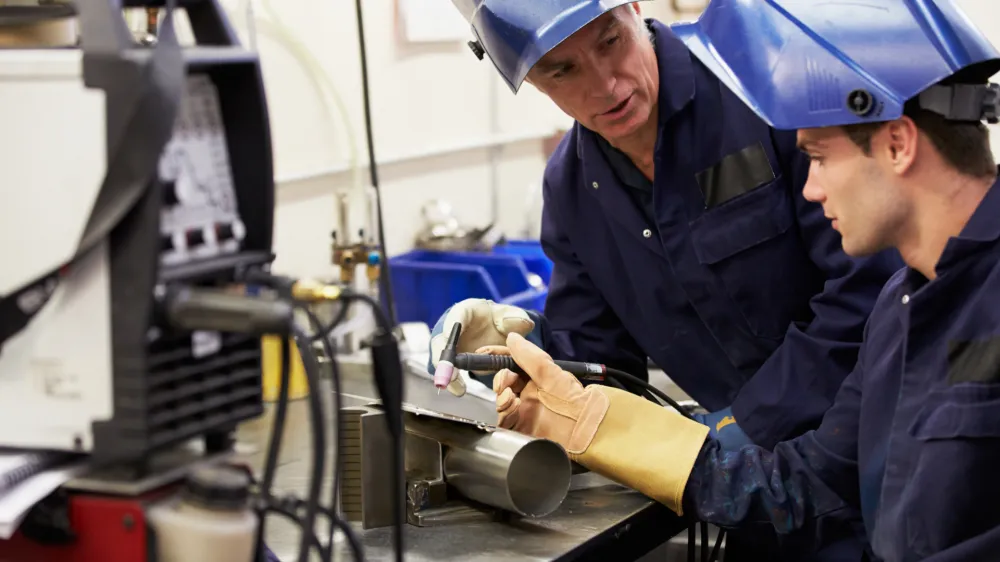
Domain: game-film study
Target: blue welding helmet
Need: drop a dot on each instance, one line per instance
(802, 64)
(516, 33)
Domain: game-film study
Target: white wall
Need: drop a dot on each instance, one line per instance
(986, 15)
(432, 141)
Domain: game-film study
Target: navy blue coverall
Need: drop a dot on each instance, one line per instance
(718, 270)
(913, 437)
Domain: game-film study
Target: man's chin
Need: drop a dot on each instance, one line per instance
(621, 129)
(861, 249)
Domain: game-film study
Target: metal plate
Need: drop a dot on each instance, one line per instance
(417, 410)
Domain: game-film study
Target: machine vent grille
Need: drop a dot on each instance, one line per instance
(190, 395)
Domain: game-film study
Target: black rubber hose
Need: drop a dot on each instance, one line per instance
(718, 544)
(317, 422)
(277, 432)
(704, 542)
(338, 406)
(384, 280)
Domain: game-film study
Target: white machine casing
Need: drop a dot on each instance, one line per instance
(55, 375)
(95, 370)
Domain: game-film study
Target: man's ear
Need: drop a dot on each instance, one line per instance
(901, 139)
(637, 8)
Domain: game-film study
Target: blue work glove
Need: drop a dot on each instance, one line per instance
(723, 428)
(484, 324)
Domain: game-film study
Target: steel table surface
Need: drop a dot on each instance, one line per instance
(599, 520)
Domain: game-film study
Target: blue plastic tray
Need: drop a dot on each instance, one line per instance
(425, 283)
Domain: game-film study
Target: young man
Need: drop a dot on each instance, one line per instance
(888, 98)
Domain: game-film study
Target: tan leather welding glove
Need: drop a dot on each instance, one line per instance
(484, 323)
(614, 433)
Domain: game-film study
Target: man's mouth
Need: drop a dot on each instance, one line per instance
(618, 107)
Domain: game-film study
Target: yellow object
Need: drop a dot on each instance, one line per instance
(310, 290)
(52, 33)
(644, 446)
(271, 361)
(728, 420)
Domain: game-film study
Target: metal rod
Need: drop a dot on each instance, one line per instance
(501, 468)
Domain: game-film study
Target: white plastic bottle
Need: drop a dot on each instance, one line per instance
(209, 521)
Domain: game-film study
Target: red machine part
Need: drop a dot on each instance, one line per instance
(107, 529)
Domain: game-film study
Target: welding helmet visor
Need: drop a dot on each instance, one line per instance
(515, 34)
(802, 64)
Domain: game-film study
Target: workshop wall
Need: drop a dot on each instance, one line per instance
(435, 133)
(444, 124)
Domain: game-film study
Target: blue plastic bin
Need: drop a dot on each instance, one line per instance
(425, 283)
(534, 258)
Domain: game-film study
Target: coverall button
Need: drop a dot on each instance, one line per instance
(906, 299)
(594, 185)
(647, 233)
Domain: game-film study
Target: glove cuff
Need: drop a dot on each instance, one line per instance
(644, 446)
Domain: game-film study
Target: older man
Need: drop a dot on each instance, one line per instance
(900, 160)
(676, 222)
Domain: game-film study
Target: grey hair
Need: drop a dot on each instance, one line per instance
(644, 30)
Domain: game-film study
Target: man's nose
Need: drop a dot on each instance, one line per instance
(603, 79)
(813, 191)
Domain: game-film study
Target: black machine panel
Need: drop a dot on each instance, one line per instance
(205, 215)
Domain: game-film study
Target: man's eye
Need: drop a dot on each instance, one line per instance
(612, 40)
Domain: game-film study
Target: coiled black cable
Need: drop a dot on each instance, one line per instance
(311, 506)
(389, 381)
(322, 333)
(318, 428)
(277, 432)
(622, 376)
(294, 518)
(391, 394)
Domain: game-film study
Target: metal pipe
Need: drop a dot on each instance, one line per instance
(497, 467)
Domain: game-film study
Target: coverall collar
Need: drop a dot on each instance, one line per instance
(673, 61)
(676, 71)
(982, 228)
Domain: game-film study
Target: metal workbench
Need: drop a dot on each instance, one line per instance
(599, 520)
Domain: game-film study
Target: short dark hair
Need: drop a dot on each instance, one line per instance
(963, 145)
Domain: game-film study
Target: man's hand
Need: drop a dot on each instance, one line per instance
(610, 431)
(484, 323)
(549, 402)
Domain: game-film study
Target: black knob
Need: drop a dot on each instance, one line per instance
(224, 231)
(195, 237)
(860, 102)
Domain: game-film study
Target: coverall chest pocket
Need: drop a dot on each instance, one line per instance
(961, 411)
(952, 489)
(746, 243)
